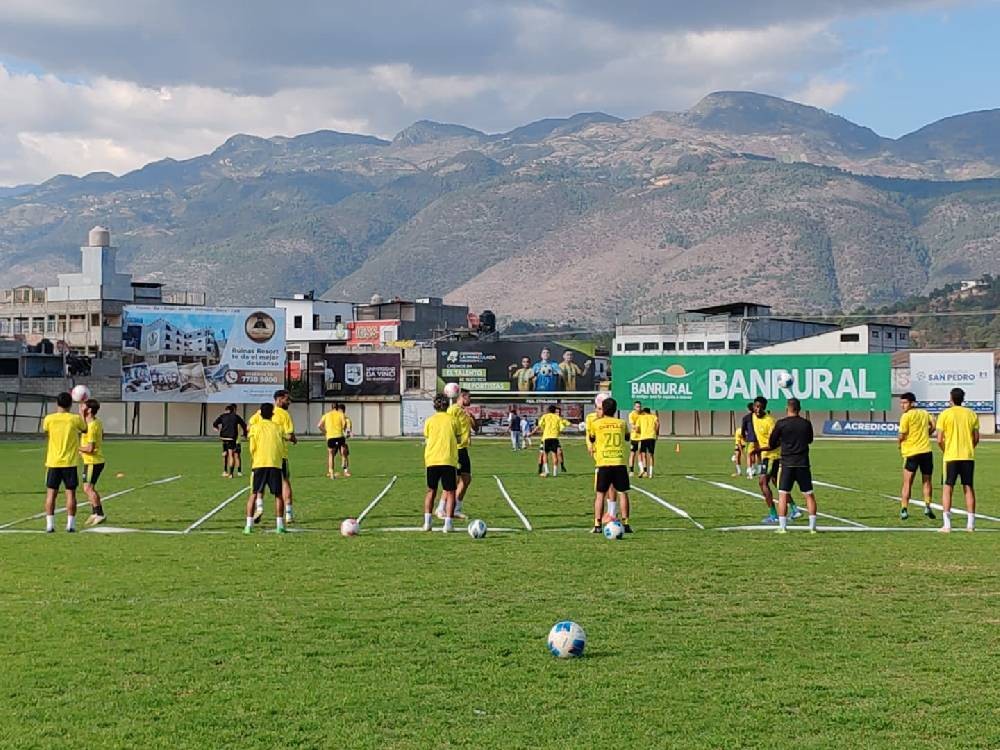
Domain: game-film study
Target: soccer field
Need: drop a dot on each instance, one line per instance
(881, 634)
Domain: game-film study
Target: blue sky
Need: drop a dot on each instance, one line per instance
(110, 85)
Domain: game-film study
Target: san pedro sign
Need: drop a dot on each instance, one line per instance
(729, 382)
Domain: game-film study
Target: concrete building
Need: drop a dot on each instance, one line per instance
(313, 327)
(83, 311)
(861, 339)
(420, 320)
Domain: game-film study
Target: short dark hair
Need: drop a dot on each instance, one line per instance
(645, 410)
(552, 408)
(957, 396)
(795, 405)
(909, 396)
(609, 406)
(750, 406)
(93, 405)
(280, 393)
(339, 406)
(441, 402)
(64, 401)
(231, 407)
(637, 403)
(761, 400)
(266, 411)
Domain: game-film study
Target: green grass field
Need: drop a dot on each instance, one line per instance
(696, 638)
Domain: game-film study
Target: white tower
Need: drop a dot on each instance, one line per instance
(99, 278)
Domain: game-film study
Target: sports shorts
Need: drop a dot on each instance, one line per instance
(922, 461)
(446, 476)
(647, 446)
(464, 462)
(91, 473)
(634, 446)
(551, 445)
(789, 476)
(66, 476)
(959, 470)
(335, 443)
(612, 476)
(268, 478)
(230, 445)
(770, 467)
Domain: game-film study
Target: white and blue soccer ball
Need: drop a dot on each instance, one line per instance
(567, 640)
(477, 529)
(785, 379)
(614, 530)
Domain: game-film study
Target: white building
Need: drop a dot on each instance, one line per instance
(861, 339)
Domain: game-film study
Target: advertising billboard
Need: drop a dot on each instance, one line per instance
(729, 382)
(354, 374)
(523, 366)
(932, 376)
(202, 354)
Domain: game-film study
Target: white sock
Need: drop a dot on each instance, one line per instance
(50, 523)
(260, 503)
(613, 508)
(947, 519)
(782, 521)
(642, 467)
(970, 521)
(288, 510)
(448, 524)
(555, 470)
(427, 519)
(70, 523)
(279, 522)
(458, 506)
(249, 522)
(812, 523)
(650, 472)
(739, 470)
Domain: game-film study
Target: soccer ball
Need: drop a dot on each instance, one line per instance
(80, 393)
(785, 379)
(349, 527)
(614, 530)
(600, 398)
(451, 390)
(567, 640)
(582, 426)
(477, 529)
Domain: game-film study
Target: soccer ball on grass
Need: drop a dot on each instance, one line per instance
(567, 640)
(350, 527)
(614, 530)
(477, 529)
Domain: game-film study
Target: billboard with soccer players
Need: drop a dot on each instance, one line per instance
(729, 382)
(526, 367)
(202, 354)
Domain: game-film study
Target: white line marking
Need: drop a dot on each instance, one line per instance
(456, 530)
(773, 529)
(378, 497)
(724, 486)
(937, 506)
(512, 504)
(682, 513)
(834, 486)
(215, 510)
(86, 504)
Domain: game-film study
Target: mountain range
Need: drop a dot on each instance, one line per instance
(589, 218)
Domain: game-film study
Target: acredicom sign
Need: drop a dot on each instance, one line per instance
(729, 382)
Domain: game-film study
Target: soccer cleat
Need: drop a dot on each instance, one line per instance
(813, 531)
(225, 475)
(347, 472)
(796, 512)
(596, 529)
(281, 530)
(331, 475)
(439, 514)
(944, 530)
(929, 513)
(970, 530)
(425, 527)
(627, 528)
(459, 515)
(903, 514)
(247, 530)
(50, 531)
(94, 519)
(70, 531)
(769, 520)
(288, 518)
(239, 473)
(781, 531)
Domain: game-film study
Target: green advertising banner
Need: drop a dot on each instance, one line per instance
(729, 382)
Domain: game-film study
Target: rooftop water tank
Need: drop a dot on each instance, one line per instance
(99, 237)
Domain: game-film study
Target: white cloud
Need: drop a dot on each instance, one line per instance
(824, 93)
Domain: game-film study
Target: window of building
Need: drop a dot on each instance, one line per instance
(651, 346)
(37, 325)
(696, 346)
(315, 322)
(297, 321)
(412, 378)
(734, 346)
(632, 347)
(95, 320)
(338, 319)
(716, 346)
(902, 335)
(618, 347)
(888, 334)
(876, 334)
(50, 324)
(669, 346)
(850, 338)
(680, 346)
(294, 356)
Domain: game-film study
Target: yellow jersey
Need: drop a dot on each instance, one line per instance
(552, 425)
(738, 437)
(348, 426)
(570, 371)
(608, 436)
(334, 424)
(281, 418)
(633, 423)
(762, 428)
(463, 425)
(957, 424)
(441, 440)
(267, 444)
(64, 431)
(94, 436)
(649, 426)
(917, 425)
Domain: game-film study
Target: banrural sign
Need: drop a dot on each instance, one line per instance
(729, 382)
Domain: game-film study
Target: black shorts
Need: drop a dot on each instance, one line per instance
(771, 467)
(612, 476)
(959, 470)
(648, 446)
(789, 476)
(268, 478)
(635, 446)
(551, 445)
(922, 461)
(66, 476)
(91, 473)
(230, 445)
(447, 476)
(464, 462)
(335, 444)
(285, 471)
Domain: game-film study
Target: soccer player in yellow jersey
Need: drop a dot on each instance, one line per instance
(608, 435)
(915, 429)
(550, 425)
(267, 454)
(465, 424)
(441, 435)
(281, 417)
(563, 425)
(61, 456)
(958, 436)
(334, 426)
(633, 428)
(738, 451)
(92, 450)
(345, 451)
(768, 461)
(612, 499)
(649, 429)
